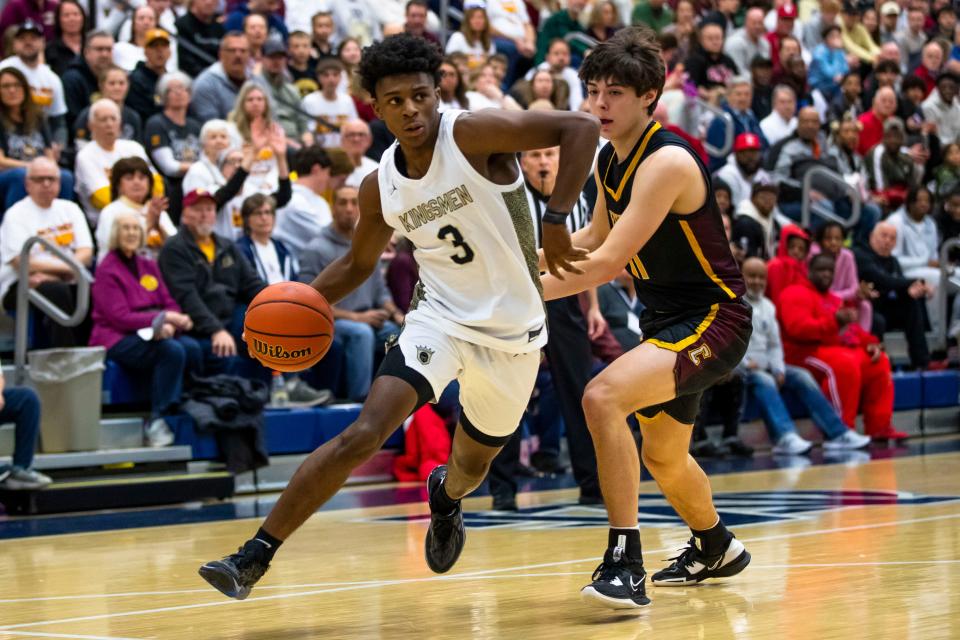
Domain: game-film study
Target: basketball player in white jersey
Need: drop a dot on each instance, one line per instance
(452, 186)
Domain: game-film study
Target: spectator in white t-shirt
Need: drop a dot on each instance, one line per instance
(330, 107)
(356, 19)
(46, 89)
(782, 121)
(486, 92)
(474, 38)
(355, 137)
(61, 222)
(95, 160)
(308, 211)
(513, 34)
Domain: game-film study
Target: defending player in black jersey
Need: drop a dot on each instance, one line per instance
(656, 214)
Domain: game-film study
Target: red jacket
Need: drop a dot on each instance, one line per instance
(808, 321)
(871, 132)
(426, 444)
(783, 271)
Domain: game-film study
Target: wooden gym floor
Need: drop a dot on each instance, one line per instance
(856, 549)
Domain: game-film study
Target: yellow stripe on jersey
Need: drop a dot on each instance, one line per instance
(637, 268)
(633, 164)
(689, 340)
(702, 259)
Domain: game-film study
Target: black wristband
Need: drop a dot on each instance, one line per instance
(552, 216)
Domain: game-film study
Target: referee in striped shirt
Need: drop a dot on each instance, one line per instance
(568, 350)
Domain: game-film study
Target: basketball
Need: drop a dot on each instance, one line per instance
(288, 326)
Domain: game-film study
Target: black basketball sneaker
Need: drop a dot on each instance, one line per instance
(446, 534)
(618, 583)
(693, 566)
(235, 575)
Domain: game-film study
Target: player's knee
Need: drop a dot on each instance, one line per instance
(469, 465)
(599, 404)
(360, 441)
(660, 464)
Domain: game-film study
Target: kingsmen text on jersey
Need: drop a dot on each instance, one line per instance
(687, 263)
(474, 243)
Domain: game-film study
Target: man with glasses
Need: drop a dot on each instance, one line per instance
(80, 79)
(61, 222)
(355, 138)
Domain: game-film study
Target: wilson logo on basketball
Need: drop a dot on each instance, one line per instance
(278, 352)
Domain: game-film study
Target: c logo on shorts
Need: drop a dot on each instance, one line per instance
(424, 354)
(699, 354)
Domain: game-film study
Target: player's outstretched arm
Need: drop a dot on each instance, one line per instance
(348, 272)
(668, 174)
(495, 131)
(591, 236)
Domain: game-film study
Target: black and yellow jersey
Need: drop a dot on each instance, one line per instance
(687, 264)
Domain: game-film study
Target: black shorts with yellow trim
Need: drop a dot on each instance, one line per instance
(709, 344)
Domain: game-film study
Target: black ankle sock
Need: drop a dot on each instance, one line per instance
(713, 540)
(628, 540)
(270, 544)
(441, 502)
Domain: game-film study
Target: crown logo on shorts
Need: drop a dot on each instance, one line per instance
(424, 354)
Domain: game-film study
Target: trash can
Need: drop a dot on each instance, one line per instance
(68, 382)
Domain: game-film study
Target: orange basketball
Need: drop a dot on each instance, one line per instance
(289, 326)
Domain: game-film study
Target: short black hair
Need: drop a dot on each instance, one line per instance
(913, 82)
(887, 66)
(631, 58)
(305, 158)
(948, 75)
(418, 3)
(397, 55)
(822, 257)
(759, 62)
(821, 231)
(827, 30)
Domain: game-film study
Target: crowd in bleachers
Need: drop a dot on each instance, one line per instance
(193, 151)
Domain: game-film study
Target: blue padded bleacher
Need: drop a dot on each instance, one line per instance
(287, 431)
(940, 388)
(907, 390)
(122, 387)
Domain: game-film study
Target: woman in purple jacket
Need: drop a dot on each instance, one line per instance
(141, 326)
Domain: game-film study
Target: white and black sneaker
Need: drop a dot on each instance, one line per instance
(693, 566)
(446, 535)
(618, 583)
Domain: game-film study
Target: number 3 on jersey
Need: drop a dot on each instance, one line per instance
(454, 236)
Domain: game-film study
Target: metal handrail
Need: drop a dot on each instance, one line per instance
(719, 152)
(582, 38)
(26, 295)
(943, 291)
(837, 179)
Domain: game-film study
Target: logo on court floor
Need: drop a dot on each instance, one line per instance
(736, 509)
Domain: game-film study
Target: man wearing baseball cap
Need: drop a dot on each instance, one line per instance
(38, 12)
(786, 20)
(755, 226)
(142, 96)
(209, 277)
(46, 89)
(743, 170)
(889, 21)
(283, 93)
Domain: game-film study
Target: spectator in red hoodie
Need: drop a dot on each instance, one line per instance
(931, 60)
(822, 335)
(790, 265)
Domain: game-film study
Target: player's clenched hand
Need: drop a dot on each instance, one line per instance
(558, 252)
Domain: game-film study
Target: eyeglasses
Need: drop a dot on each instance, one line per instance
(10, 85)
(354, 134)
(44, 179)
(447, 74)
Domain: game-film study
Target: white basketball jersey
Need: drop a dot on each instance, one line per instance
(474, 244)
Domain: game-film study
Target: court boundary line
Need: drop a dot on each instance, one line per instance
(356, 489)
(475, 574)
(72, 636)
